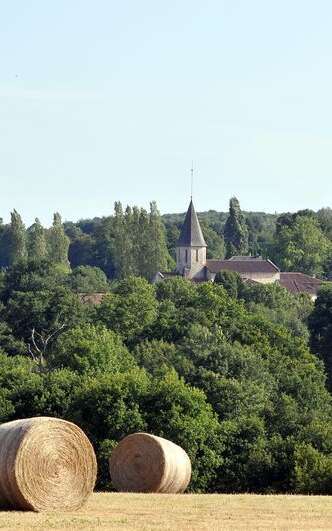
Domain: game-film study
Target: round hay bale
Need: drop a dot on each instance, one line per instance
(146, 463)
(45, 464)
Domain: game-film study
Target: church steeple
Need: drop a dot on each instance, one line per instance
(191, 247)
(191, 232)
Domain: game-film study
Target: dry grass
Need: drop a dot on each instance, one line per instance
(183, 512)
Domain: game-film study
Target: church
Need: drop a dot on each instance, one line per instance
(192, 263)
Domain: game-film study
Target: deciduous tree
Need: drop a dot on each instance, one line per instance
(58, 242)
(17, 237)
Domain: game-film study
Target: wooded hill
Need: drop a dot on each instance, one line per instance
(133, 241)
(239, 375)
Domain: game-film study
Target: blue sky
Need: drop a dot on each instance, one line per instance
(103, 101)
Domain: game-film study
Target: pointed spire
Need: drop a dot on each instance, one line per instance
(191, 232)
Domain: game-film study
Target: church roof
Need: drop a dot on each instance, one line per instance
(255, 265)
(191, 232)
(240, 258)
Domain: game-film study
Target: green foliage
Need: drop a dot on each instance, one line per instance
(129, 308)
(20, 386)
(157, 256)
(324, 216)
(276, 304)
(222, 368)
(320, 326)
(312, 471)
(4, 244)
(135, 242)
(17, 238)
(115, 405)
(139, 242)
(44, 310)
(185, 418)
(158, 356)
(35, 296)
(91, 349)
(31, 275)
(172, 236)
(37, 245)
(302, 246)
(58, 242)
(87, 279)
(232, 283)
(236, 231)
(8, 342)
(215, 242)
(6, 407)
(108, 408)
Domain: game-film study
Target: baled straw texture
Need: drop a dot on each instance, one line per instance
(146, 463)
(45, 464)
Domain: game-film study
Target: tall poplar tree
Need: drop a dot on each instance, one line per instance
(143, 258)
(158, 252)
(139, 241)
(236, 231)
(17, 238)
(4, 244)
(58, 242)
(136, 238)
(129, 265)
(37, 246)
(119, 230)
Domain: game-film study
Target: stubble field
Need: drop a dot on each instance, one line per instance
(183, 512)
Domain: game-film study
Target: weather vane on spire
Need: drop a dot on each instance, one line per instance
(192, 179)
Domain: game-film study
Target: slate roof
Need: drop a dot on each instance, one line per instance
(300, 283)
(245, 258)
(191, 233)
(255, 265)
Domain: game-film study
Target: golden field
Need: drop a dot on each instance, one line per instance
(183, 512)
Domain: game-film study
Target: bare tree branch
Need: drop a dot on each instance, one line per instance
(40, 342)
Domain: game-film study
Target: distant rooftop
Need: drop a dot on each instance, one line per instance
(300, 283)
(249, 265)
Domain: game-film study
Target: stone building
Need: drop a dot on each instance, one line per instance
(248, 267)
(191, 248)
(191, 263)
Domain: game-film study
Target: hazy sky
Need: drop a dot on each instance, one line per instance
(104, 100)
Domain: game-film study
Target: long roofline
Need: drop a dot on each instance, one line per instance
(191, 233)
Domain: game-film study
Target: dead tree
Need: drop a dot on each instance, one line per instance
(38, 347)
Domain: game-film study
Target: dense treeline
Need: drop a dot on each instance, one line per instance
(223, 369)
(17, 243)
(131, 242)
(239, 375)
(135, 242)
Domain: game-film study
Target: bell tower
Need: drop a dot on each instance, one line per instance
(191, 247)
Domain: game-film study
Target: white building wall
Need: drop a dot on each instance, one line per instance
(191, 261)
(262, 278)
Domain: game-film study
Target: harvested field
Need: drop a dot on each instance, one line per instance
(183, 512)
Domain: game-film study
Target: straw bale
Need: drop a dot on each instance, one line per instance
(45, 464)
(146, 463)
